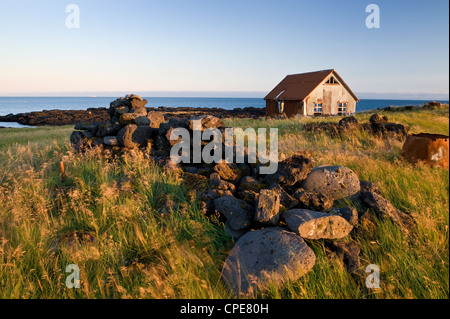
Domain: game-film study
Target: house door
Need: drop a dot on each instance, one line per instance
(326, 107)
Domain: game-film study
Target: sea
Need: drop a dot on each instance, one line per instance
(16, 105)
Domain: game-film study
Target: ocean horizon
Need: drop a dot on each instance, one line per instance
(15, 105)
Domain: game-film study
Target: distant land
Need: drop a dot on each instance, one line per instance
(220, 94)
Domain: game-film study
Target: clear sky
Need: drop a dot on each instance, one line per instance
(213, 45)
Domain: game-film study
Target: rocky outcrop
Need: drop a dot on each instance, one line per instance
(378, 125)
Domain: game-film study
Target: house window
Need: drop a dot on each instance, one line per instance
(332, 80)
(317, 108)
(342, 108)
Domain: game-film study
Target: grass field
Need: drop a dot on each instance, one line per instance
(138, 253)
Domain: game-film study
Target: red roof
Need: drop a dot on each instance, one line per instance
(297, 87)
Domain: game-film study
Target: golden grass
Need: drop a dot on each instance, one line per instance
(137, 253)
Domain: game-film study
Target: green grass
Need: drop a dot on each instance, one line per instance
(138, 253)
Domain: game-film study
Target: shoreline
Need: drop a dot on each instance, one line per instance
(59, 117)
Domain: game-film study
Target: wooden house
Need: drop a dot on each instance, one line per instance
(311, 94)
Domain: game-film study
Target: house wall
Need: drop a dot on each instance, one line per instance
(292, 108)
(272, 108)
(330, 95)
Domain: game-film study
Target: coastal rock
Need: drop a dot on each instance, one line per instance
(291, 170)
(228, 171)
(207, 121)
(336, 182)
(250, 183)
(313, 200)
(111, 140)
(347, 253)
(316, 225)
(264, 257)
(286, 200)
(237, 212)
(349, 213)
(267, 208)
(349, 123)
(133, 136)
(382, 207)
(156, 118)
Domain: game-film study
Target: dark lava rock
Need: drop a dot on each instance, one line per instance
(335, 182)
(316, 225)
(239, 214)
(265, 257)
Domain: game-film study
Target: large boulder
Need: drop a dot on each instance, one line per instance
(238, 213)
(267, 207)
(266, 256)
(316, 225)
(336, 182)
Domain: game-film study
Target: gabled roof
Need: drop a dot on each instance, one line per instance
(297, 87)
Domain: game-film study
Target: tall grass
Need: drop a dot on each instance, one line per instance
(134, 251)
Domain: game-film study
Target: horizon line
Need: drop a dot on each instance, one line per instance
(216, 94)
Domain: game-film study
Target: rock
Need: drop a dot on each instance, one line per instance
(238, 212)
(376, 119)
(291, 170)
(234, 234)
(111, 140)
(92, 127)
(133, 136)
(122, 109)
(133, 96)
(216, 183)
(349, 213)
(228, 171)
(207, 121)
(264, 257)
(128, 118)
(139, 111)
(250, 183)
(336, 182)
(248, 196)
(348, 254)
(349, 123)
(267, 207)
(382, 207)
(138, 104)
(156, 118)
(316, 225)
(142, 120)
(285, 199)
(78, 140)
(108, 129)
(313, 200)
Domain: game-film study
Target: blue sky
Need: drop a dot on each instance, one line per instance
(200, 45)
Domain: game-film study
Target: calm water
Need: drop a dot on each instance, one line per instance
(29, 104)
